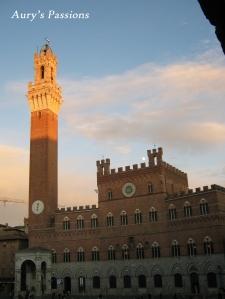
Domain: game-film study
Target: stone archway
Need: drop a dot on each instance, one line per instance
(28, 276)
(43, 277)
(195, 287)
(67, 284)
(81, 284)
(33, 271)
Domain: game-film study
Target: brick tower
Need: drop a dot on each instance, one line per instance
(44, 97)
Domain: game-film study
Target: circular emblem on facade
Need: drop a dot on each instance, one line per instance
(128, 189)
(38, 207)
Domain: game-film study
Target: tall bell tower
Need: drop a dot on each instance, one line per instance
(44, 97)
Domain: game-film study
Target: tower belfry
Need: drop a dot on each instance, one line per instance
(44, 97)
(44, 93)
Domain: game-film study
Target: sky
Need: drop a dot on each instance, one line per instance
(134, 75)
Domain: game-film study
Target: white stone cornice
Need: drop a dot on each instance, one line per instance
(44, 96)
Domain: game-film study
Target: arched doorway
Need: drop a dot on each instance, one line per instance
(195, 288)
(81, 284)
(53, 283)
(28, 276)
(67, 284)
(43, 277)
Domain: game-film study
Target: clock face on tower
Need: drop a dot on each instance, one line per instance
(128, 189)
(38, 207)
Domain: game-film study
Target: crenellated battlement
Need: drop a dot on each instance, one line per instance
(197, 191)
(173, 169)
(155, 156)
(128, 168)
(77, 208)
(154, 160)
(103, 167)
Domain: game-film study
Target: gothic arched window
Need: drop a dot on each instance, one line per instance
(94, 221)
(111, 253)
(172, 212)
(192, 249)
(137, 216)
(155, 250)
(95, 254)
(204, 207)
(80, 254)
(66, 255)
(175, 248)
(66, 223)
(125, 252)
(140, 254)
(123, 218)
(208, 246)
(109, 219)
(187, 209)
(80, 222)
(153, 215)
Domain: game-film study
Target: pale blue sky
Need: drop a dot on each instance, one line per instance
(135, 74)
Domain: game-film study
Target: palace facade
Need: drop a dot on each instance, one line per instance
(149, 235)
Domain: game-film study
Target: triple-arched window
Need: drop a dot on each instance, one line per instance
(187, 209)
(175, 248)
(95, 254)
(80, 222)
(66, 255)
(94, 221)
(111, 253)
(204, 207)
(192, 248)
(109, 219)
(140, 254)
(208, 246)
(66, 223)
(125, 252)
(137, 216)
(80, 254)
(153, 215)
(123, 218)
(155, 250)
(172, 212)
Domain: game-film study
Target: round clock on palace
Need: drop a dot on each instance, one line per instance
(38, 207)
(128, 189)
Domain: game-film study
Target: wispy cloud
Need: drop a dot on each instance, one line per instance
(177, 104)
